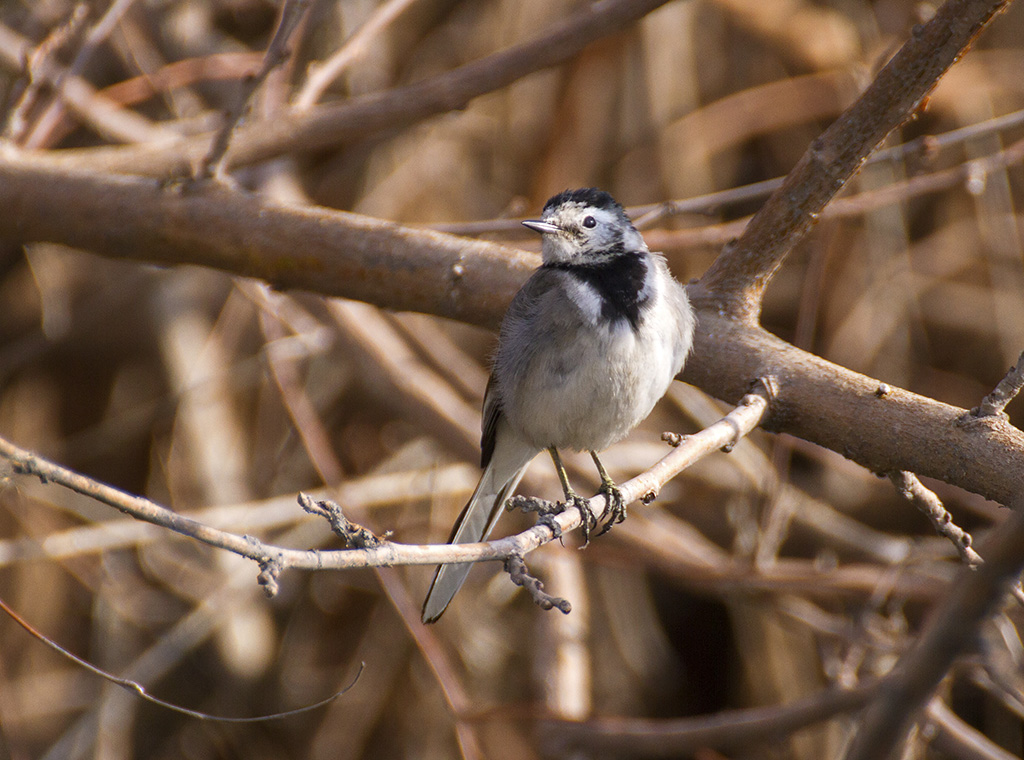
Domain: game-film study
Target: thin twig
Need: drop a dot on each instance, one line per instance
(94, 38)
(39, 59)
(136, 688)
(928, 502)
(212, 164)
(104, 115)
(949, 631)
(738, 422)
(354, 535)
(520, 576)
(647, 215)
(329, 125)
(454, 482)
(321, 75)
(995, 402)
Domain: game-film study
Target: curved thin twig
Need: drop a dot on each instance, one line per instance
(139, 690)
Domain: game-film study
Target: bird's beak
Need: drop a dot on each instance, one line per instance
(538, 226)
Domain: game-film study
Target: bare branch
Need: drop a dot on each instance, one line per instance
(629, 737)
(340, 254)
(102, 113)
(928, 502)
(736, 281)
(995, 402)
(948, 632)
(321, 75)
(212, 164)
(330, 125)
(95, 37)
(647, 215)
(519, 575)
(274, 559)
(139, 690)
(355, 536)
(40, 58)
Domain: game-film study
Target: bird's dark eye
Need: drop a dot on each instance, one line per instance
(589, 222)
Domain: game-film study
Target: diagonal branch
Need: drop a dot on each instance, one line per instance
(736, 281)
(274, 559)
(949, 631)
(632, 737)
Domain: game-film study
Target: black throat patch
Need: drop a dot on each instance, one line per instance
(618, 281)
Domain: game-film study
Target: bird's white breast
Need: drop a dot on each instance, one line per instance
(602, 384)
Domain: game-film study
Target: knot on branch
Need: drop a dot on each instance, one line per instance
(270, 571)
(354, 535)
(673, 439)
(517, 572)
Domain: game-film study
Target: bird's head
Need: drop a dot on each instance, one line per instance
(585, 227)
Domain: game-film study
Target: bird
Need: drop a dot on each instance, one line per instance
(589, 344)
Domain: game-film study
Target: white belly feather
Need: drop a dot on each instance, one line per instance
(607, 381)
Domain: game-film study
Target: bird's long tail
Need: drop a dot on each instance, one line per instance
(496, 486)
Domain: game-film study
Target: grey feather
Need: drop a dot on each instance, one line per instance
(502, 474)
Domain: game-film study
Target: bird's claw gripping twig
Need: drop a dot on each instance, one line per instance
(588, 520)
(616, 505)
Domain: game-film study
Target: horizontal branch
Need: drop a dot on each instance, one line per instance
(332, 253)
(631, 737)
(340, 254)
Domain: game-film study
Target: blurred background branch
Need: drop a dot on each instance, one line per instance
(782, 575)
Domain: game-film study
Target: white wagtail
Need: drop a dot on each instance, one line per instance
(586, 349)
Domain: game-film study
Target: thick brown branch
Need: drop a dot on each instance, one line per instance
(290, 247)
(339, 254)
(735, 282)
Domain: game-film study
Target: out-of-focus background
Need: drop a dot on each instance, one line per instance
(758, 577)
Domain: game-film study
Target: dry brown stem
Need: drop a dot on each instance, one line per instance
(949, 632)
(330, 125)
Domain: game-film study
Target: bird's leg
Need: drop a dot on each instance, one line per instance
(616, 504)
(588, 521)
